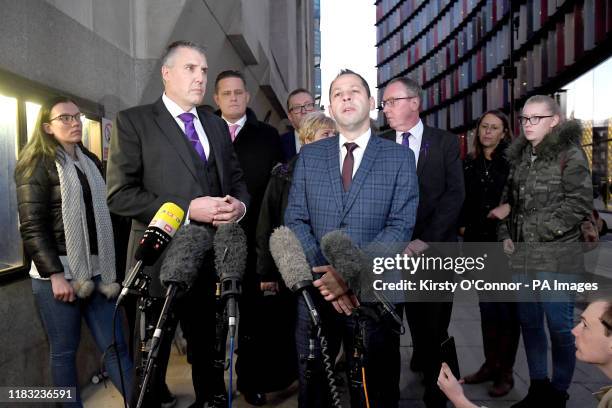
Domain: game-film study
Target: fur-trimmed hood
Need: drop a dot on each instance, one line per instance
(562, 137)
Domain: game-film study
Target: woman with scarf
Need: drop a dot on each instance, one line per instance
(486, 171)
(548, 194)
(67, 232)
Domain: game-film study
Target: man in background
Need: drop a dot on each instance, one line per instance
(299, 103)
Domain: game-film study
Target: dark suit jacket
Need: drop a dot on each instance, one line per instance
(258, 150)
(288, 145)
(380, 205)
(441, 188)
(150, 164)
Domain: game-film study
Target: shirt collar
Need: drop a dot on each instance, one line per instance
(361, 141)
(176, 110)
(240, 122)
(417, 130)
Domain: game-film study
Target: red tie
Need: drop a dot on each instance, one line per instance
(347, 166)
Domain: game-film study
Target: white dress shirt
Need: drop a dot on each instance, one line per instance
(362, 142)
(414, 141)
(240, 122)
(176, 110)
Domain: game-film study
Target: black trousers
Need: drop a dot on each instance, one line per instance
(382, 366)
(196, 312)
(428, 322)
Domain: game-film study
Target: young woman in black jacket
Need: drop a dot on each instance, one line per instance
(67, 232)
(486, 171)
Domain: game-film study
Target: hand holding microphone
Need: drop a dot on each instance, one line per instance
(293, 266)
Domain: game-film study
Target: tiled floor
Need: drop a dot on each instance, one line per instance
(465, 326)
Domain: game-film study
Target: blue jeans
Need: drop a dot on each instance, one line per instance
(560, 321)
(62, 322)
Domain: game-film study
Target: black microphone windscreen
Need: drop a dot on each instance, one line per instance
(185, 255)
(344, 256)
(230, 251)
(289, 257)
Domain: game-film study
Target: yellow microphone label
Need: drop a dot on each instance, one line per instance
(168, 218)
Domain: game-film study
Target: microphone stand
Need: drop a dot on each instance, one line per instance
(155, 341)
(219, 365)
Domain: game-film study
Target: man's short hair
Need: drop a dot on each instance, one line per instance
(410, 84)
(346, 71)
(230, 73)
(295, 92)
(171, 50)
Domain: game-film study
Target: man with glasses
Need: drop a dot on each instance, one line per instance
(299, 103)
(441, 194)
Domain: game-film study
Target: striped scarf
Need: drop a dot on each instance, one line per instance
(75, 226)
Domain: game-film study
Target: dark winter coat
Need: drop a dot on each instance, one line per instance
(39, 201)
(484, 185)
(549, 196)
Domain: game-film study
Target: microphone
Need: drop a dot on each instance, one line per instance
(178, 272)
(158, 234)
(185, 257)
(230, 246)
(349, 261)
(293, 266)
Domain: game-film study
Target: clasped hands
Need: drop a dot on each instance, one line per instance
(216, 210)
(335, 290)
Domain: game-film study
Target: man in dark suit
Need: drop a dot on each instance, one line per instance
(367, 187)
(257, 146)
(441, 194)
(299, 103)
(172, 151)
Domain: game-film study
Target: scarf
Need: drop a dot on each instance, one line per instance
(75, 226)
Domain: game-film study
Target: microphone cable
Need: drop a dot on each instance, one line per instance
(116, 348)
(231, 370)
(329, 371)
(365, 388)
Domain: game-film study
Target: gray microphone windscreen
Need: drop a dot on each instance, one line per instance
(185, 255)
(230, 251)
(344, 256)
(289, 257)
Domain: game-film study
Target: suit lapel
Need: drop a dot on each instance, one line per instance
(172, 132)
(367, 162)
(333, 171)
(426, 143)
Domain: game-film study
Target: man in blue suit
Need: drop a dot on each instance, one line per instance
(367, 187)
(299, 104)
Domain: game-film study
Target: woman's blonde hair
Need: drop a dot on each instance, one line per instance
(550, 103)
(313, 122)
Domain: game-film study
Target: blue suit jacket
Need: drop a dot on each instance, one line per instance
(288, 145)
(380, 205)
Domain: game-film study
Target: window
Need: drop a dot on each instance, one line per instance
(11, 254)
(20, 102)
(587, 99)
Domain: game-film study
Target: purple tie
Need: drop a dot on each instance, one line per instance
(405, 137)
(192, 135)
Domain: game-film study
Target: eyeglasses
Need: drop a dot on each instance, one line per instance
(392, 101)
(68, 119)
(534, 120)
(307, 107)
